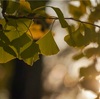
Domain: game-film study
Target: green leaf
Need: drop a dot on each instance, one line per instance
(4, 38)
(4, 56)
(31, 60)
(78, 56)
(90, 73)
(30, 55)
(95, 16)
(60, 15)
(12, 7)
(75, 11)
(12, 34)
(21, 25)
(12, 22)
(78, 38)
(9, 50)
(90, 52)
(69, 40)
(90, 34)
(36, 4)
(86, 3)
(75, 39)
(47, 44)
(20, 41)
(24, 8)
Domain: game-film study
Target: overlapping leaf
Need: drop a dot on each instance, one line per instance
(75, 38)
(12, 7)
(30, 54)
(6, 56)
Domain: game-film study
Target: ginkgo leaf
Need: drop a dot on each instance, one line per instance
(31, 60)
(25, 6)
(47, 44)
(30, 55)
(24, 39)
(37, 3)
(9, 50)
(12, 7)
(4, 38)
(30, 51)
(20, 24)
(4, 56)
(35, 31)
(60, 15)
(90, 73)
(69, 40)
(78, 38)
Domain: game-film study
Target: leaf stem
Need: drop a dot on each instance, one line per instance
(52, 24)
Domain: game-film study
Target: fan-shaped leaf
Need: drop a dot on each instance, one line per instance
(47, 44)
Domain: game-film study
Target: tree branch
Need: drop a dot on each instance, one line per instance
(55, 18)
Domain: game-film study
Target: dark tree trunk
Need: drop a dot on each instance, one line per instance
(27, 82)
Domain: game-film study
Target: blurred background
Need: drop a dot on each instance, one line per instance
(58, 76)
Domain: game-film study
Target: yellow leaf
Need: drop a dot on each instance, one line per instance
(35, 31)
(25, 5)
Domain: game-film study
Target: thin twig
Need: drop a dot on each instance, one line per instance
(52, 24)
(83, 22)
(28, 28)
(56, 18)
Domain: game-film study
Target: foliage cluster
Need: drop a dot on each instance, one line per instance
(21, 30)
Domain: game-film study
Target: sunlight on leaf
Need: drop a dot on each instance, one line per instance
(30, 61)
(35, 31)
(4, 38)
(25, 6)
(47, 44)
(4, 56)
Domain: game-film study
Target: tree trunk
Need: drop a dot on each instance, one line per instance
(27, 83)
